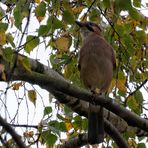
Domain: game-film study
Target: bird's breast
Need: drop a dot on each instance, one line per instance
(96, 70)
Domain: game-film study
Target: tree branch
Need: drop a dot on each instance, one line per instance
(14, 135)
(48, 79)
(50, 83)
(109, 128)
(81, 107)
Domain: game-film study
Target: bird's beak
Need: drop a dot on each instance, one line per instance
(80, 24)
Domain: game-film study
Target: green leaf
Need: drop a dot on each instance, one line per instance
(141, 145)
(128, 134)
(47, 110)
(10, 39)
(54, 22)
(140, 36)
(84, 124)
(25, 10)
(18, 17)
(123, 5)
(72, 72)
(53, 60)
(68, 17)
(3, 27)
(62, 127)
(134, 13)
(134, 105)
(49, 138)
(8, 54)
(68, 112)
(40, 10)
(77, 122)
(120, 29)
(31, 43)
(94, 15)
(56, 126)
(139, 97)
(60, 117)
(137, 3)
(106, 3)
(128, 41)
(2, 13)
(52, 139)
(43, 30)
(131, 102)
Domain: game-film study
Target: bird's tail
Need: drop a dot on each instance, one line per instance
(95, 125)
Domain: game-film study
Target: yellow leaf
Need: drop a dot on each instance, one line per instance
(2, 73)
(32, 96)
(77, 10)
(131, 101)
(16, 86)
(119, 22)
(24, 62)
(57, 146)
(132, 143)
(68, 124)
(63, 43)
(121, 85)
(37, 1)
(2, 38)
(113, 83)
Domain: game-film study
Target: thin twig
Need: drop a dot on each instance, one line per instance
(24, 125)
(11, 131)
(88, 9)
(132, 93)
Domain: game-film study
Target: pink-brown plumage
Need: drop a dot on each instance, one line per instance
(96, 64)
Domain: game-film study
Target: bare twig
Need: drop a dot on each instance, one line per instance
(24, 125)
(14, 135)
(89, 9)
(132, 93)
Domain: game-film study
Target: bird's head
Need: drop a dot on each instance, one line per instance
(88, 27)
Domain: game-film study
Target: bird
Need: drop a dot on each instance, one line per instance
(96, 64)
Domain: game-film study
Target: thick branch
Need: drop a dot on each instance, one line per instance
(109, 128)
(51, 80)
(81, 107)
(14, 135)
(49, 83)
